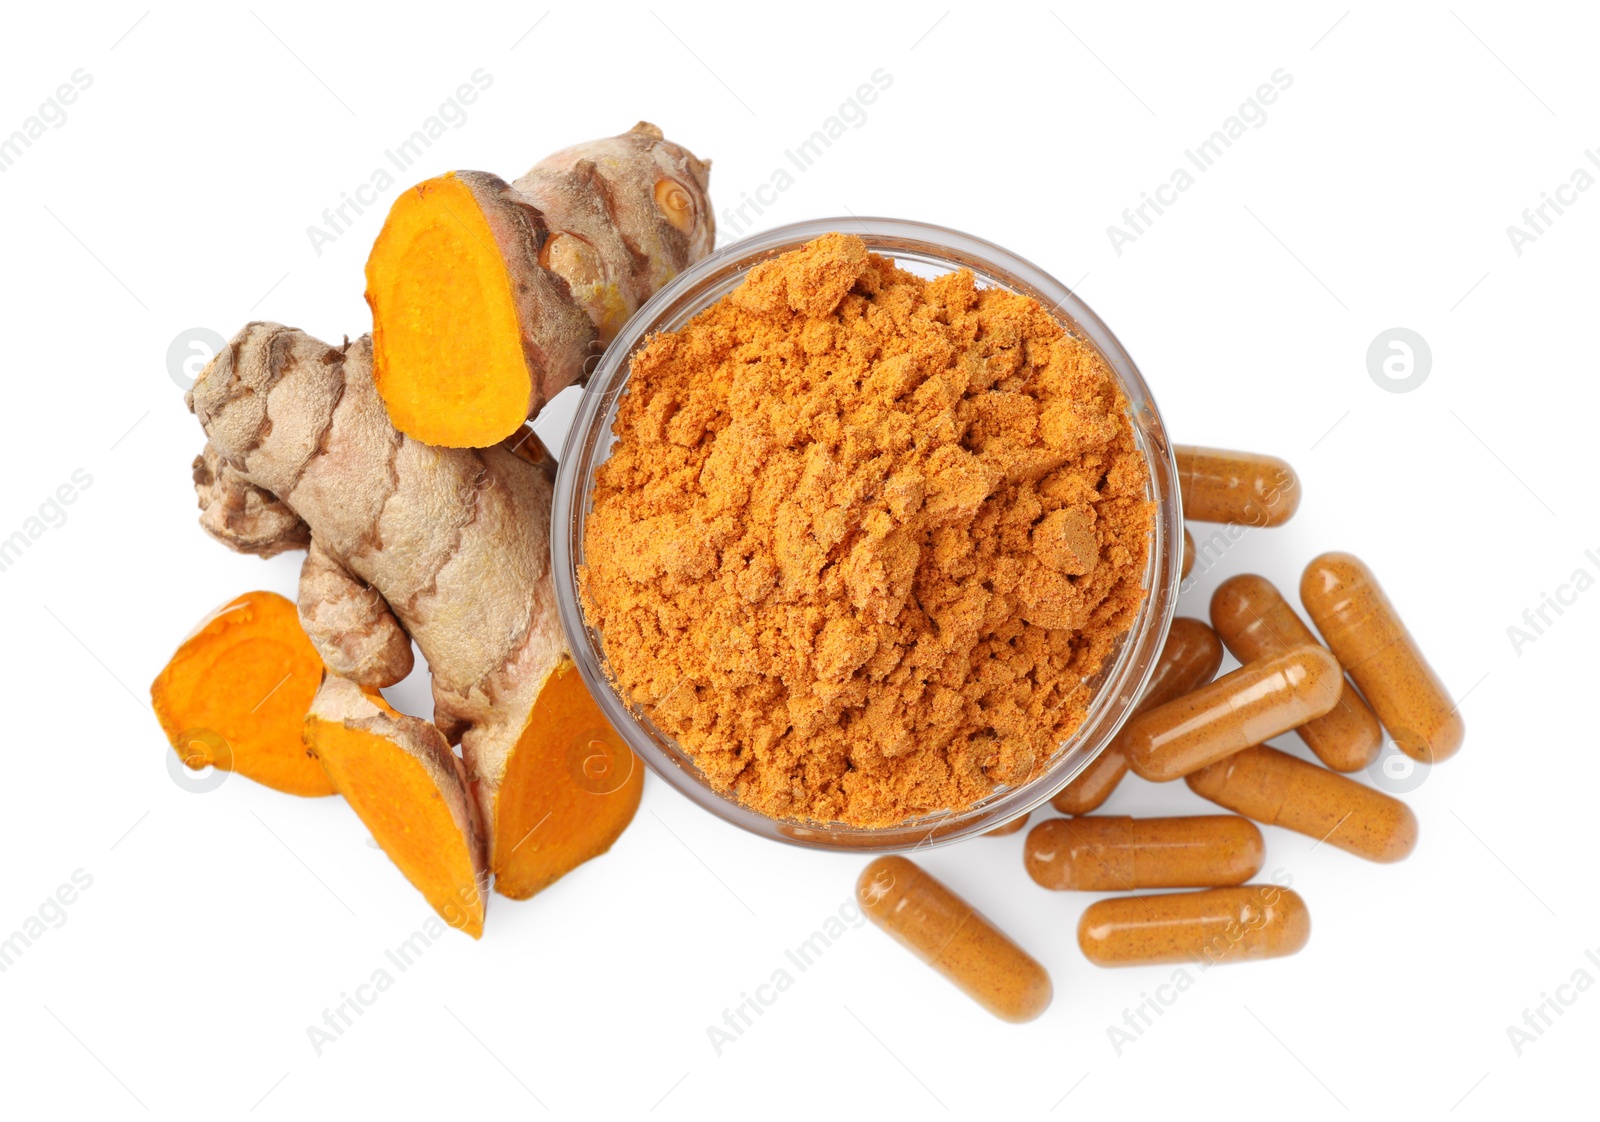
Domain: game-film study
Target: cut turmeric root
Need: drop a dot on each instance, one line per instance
(489, 298)
(408, 788)
(447, 343)
(571, 787)
(235, 693)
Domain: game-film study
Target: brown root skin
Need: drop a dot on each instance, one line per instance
(407, 787)
(350, 625)
(488, 299)
(571, 788)
(241, 516)
(246, 675)
(625, 215)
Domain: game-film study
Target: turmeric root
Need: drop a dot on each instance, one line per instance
(488, 298)
(244, 517)
(400, 777)
(350, 624)
(447, 545)
(235, 693)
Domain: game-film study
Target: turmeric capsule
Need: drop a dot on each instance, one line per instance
(1119, 854)
(1365, 632)
(1276, 789)
(1012, 827)
(1188, 661)
(1255, 621)
(1219, 925)
(1238, 487)
(1254, 703)
(1188, 554)
(945, 931)
(1094, 784)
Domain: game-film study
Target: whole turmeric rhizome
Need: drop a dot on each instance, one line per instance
(864, 535)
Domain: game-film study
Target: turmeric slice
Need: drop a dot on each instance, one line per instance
(489, 298)
(234, 695)
(446, 338)
(408, 788)
(571, 787)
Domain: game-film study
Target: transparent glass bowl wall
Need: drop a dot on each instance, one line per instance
(927, 251)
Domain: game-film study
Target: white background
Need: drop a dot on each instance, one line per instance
(1377, 194)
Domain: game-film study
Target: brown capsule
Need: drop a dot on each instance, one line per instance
(1276, 789)
(1093, 785)
(1255, 621)
(1254, 703)
(1118, 854)
(948, 934)
(1188, 554)
(1219, 925)
(1239, 487)
(1009, 828)
(1365, 632)
(1188, 661)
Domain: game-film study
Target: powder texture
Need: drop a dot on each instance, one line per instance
(864, 535)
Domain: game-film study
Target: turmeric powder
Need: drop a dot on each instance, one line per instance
(864, 536)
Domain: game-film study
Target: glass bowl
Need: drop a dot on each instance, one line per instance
(927, 251)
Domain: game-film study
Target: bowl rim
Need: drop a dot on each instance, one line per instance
(1123, 677)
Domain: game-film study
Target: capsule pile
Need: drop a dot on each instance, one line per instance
(1211, 733)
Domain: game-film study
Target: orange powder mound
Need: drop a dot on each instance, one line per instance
(864, 535)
